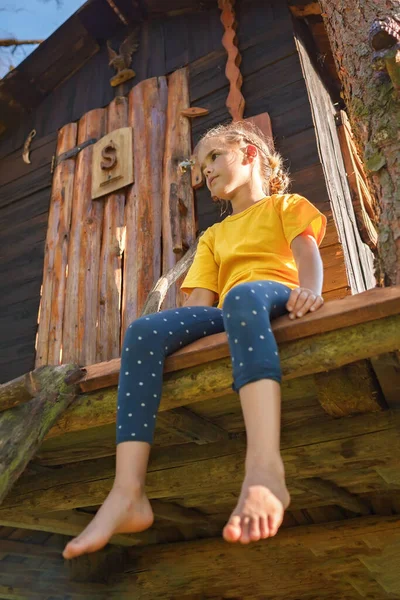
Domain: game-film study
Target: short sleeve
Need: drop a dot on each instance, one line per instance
(203, 272)
(297, 213)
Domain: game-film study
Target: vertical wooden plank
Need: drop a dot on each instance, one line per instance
(358, 257)
(235, 101)
(80, 319)
(178, 222)
(51, 309)
(110, 275)
(263, 122)
(361, 196)
(142, 257)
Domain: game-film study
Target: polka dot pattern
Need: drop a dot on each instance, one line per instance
(245, 317)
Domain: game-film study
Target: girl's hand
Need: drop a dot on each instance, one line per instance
(302, 300)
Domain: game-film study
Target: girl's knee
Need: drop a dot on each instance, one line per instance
(242, 297)
(139, 327)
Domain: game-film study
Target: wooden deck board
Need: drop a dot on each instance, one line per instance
(368, 306)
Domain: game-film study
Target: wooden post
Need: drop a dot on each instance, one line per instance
(79, 334)
(178, 219)
(142, 259)
(112, 247)
(51, 312)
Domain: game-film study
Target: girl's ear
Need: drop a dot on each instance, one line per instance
(251, 151)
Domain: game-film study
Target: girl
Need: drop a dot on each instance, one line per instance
(262, 261)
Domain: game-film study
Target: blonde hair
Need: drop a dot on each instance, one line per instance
(275, 178)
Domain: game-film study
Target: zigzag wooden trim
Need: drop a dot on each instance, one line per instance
(235, 101)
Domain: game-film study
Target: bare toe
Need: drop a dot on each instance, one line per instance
(264, 528)
(266, 505)
(274, 521)
(255, 534)
(245, 537)
(232, 529)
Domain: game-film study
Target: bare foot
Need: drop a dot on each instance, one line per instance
(260, 509)
(123, 511)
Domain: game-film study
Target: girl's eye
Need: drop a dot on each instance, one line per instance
(213, 157)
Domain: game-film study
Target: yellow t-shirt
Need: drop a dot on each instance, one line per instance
(253, 245)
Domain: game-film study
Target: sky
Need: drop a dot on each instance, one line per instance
(33, 19)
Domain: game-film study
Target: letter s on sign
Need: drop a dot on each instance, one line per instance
(109, 153)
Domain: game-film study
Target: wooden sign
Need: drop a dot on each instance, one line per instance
(112, 162)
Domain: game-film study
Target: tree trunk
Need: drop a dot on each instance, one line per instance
(369, 69)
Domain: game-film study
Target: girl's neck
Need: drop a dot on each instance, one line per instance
(243, 198)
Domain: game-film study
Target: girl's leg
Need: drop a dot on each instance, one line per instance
(264, 496)
(126, 508)
(147, 341)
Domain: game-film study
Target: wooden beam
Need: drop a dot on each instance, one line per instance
(314, 354)
(69, 487)
(19, 591)
(98, 442)
(301, 9)
(21, 583)
(71, 522)
(191, 427)
(17, 548)
(349, 390)
(23, 427)
(101, 567)
(28, 386)
(342, 559)
(179, 514)
(19, 390)
(361, 308)
(334, 493)
(387, 370)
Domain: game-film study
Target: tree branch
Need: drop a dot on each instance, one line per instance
(14, 42)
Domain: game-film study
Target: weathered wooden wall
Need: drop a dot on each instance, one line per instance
(166, 44)
(272, 81)
(25, 189)
(24, 203)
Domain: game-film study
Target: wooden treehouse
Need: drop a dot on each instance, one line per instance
(100, 213)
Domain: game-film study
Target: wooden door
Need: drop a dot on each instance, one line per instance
(103, 256)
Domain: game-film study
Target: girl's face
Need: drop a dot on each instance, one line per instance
(225, 167)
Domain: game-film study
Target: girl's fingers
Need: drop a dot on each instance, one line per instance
(306, 306)
(294, 296)
(317, 304)
(292, 300)
(301, 299)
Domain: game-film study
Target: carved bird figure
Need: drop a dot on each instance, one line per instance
(123, 60)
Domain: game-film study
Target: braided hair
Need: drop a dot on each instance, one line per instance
(274, 177)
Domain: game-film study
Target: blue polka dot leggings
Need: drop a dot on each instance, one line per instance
(246, 314)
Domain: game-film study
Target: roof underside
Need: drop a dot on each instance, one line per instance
(73, 44)
(80, 38)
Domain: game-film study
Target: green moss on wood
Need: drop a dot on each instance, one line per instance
(307, 356)
(23, 427)
(375, 162)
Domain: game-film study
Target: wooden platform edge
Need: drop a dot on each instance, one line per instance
(367, 306)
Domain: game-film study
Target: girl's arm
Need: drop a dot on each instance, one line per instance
(201, 297)
(307, 297)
